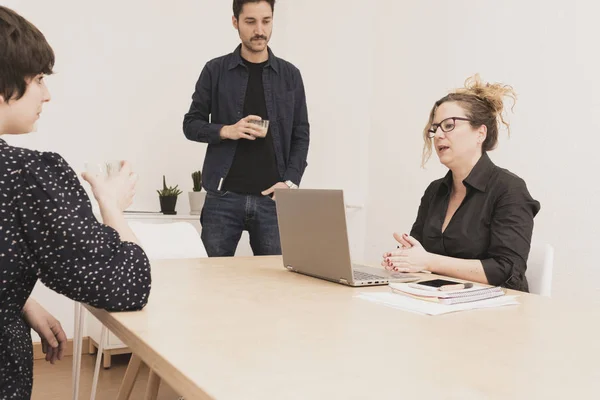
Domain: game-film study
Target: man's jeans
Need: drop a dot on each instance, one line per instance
(226, 215)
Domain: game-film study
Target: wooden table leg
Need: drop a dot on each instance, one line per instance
(107, 359)
(153, 386)
(91, 347)
(135, 363)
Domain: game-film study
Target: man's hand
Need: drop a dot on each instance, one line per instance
(54, 339)
(278, 185)
(242, 130)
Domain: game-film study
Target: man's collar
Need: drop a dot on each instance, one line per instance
(237, 60)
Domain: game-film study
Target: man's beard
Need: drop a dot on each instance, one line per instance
(249, 44)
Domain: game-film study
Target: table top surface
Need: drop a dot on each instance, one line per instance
(246, 328)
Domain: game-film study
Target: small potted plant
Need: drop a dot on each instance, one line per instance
(197, 196)
(168, 198)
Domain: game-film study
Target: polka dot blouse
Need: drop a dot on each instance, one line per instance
(48, 232)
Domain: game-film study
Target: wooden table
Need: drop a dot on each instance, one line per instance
(245, 328)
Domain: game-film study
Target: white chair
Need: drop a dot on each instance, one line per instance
(159, 241)
(169, 240)
(539, 269)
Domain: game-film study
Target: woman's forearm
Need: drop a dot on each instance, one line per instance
(114, 218)
(469, 270)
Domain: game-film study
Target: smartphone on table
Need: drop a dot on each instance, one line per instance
(437, 284)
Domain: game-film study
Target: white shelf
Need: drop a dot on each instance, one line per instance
(158, 215)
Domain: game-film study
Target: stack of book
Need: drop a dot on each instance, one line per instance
(475, 293)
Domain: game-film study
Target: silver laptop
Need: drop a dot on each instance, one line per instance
(314, 238)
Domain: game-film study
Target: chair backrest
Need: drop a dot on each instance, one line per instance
(539, 269)
(169, 240)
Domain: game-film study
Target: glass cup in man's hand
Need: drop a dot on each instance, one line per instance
(263, 126)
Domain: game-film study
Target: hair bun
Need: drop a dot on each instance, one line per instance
(492, 93)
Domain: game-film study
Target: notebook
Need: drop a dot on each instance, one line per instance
(476, 293)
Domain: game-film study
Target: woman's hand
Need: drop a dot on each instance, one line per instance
(116, 191)
(54, 339)
(409, 257)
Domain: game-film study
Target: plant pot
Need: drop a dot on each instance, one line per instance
(167, 204)
(196, 202)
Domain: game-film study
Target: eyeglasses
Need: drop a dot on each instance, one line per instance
(446, 125)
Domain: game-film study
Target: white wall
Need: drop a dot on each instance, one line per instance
(125, 74)
(315, 37)
(126, 71)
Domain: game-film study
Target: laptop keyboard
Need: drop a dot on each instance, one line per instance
(363, 276)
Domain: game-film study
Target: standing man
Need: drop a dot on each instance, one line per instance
(243, 166)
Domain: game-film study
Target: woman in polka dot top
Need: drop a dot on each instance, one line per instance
(47, 229)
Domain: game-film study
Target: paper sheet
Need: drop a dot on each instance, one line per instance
(428, 308)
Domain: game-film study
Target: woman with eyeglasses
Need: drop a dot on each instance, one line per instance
(476, 222)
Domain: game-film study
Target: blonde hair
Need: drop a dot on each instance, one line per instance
(483, 104)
